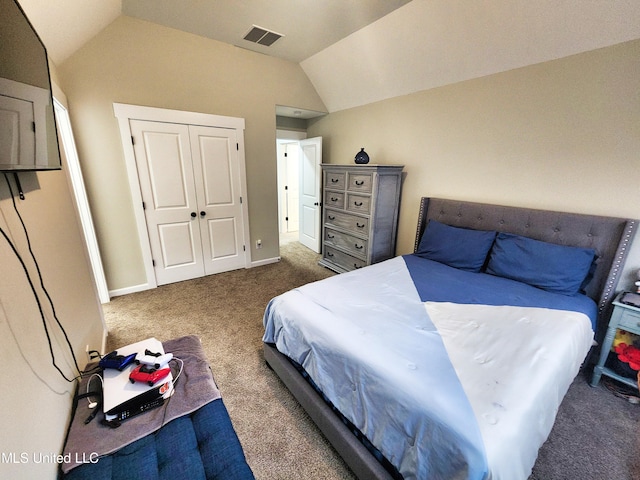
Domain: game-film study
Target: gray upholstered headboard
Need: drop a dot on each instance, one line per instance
(609, 237)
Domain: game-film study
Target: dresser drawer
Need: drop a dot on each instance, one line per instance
(343, 260)
(358, 203)
(346, 221)
(353, 245)
(333, 199)
(630, 320)
(360, 182)
(334, 180)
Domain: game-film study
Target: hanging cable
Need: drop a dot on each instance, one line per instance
(35, 295)
(35, 261)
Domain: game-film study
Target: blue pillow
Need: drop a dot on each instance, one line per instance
(457, 247)
(555, 268)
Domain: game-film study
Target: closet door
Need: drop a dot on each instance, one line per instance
(216, 169)
(165, 170)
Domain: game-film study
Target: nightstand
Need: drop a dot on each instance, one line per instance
(624, 317)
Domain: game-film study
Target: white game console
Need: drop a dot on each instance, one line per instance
(122, 398)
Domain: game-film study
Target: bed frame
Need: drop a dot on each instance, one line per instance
(609, 237)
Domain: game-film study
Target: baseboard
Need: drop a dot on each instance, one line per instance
(133, 289)
(145, 286)
(266, 261)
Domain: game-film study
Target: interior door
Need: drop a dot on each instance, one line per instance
(165, 170)
(216, 169)
(310, 193)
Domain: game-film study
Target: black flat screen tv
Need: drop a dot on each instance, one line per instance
(28, 135)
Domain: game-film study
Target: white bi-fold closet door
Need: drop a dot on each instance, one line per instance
(190, 182)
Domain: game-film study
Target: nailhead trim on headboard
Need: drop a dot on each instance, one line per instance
(614, 275)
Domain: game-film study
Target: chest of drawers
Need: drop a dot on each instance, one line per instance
(360, 215)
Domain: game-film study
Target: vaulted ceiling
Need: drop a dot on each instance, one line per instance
(361, 51)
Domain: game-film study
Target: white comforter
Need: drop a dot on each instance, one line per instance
(443, 390)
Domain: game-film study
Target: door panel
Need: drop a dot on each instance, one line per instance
(308, 222)
(177, 244)
(222, 233)
(166, 170)
(310, 194)
(163, 159)
(216, 169)
(216, 162)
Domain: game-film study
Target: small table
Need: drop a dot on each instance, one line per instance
(624, 317)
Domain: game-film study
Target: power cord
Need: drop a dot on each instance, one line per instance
(173, 383)
(622, 391)
(35, 294)
(93, 404)
(33, 289)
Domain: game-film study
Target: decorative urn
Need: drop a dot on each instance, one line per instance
(362, 157)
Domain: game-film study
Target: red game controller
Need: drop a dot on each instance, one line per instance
(150, 375)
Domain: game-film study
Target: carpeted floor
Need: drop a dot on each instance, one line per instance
(596, 436)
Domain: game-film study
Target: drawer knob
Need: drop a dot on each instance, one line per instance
(359, 247)
(359, 225)
(330, 236)
(334, 180)
(329, 254)
(359, 182)
(357, 204)
(331, 217)
(334, 199)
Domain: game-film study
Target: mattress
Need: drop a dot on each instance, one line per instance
(449, 374)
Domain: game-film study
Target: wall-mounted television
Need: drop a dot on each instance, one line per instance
(28, 135)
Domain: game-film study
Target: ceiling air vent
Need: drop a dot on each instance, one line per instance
(262, 36)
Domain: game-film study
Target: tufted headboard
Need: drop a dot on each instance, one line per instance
(609, 237)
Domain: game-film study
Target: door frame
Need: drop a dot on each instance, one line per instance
(285, 137)
(126, 112)
(69, 154)
(285, 180)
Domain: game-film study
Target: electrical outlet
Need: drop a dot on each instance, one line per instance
(258, 243)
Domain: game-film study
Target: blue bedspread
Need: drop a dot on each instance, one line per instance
(363, 337)
(437, 282)
(366, 340)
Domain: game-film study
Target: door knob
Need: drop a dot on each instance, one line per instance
(203, 213)
(193, 214)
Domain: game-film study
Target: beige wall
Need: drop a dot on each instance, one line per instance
(36, 400)
(141, 63)
(561, 135)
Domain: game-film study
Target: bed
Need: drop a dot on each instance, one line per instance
(453, 361)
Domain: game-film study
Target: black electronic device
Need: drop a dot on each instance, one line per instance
(138, 409)
(27, 119)
(141, 403)
(630, 298)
